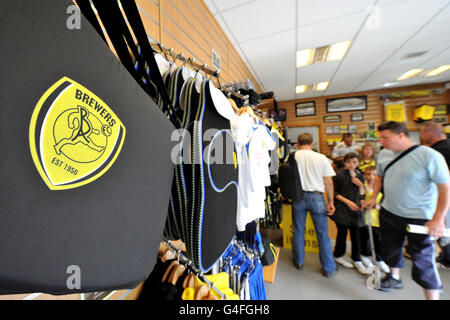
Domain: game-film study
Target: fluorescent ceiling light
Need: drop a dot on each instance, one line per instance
(321, 86)
(437, 71)
(320, 54)
(311, 87)
(305, 57)
(300, 89)
(410, 74)
(332, 52)
(338, 50)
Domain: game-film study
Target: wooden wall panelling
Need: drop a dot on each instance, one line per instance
(374, 112)
(188, 27)
(149, 12)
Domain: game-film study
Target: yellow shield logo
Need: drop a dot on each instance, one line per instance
(74, 136)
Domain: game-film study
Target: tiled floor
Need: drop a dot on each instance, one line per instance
(348, 284)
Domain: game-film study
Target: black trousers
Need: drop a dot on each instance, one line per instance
(420, 247)
(341, 239)
(365, 242)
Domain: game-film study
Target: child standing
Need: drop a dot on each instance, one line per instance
(369, 174)
(367, 156)
(349, 190)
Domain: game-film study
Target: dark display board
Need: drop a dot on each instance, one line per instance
(84, 158)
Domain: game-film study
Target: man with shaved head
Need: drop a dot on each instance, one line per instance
(432, 134)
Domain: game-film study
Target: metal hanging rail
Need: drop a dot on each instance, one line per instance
(198, 273)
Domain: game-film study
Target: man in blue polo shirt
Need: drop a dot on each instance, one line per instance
(416, 191)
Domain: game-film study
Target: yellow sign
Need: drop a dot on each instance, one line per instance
(311, 243)
(423, 112)
(74, 136)
(395, 112)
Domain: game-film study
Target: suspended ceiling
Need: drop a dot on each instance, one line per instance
(267, 34)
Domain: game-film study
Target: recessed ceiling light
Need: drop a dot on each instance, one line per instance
(320, 54)
(437, 71)
(389, 84)
(338, 50)
(305, 57)
(410, 74)
(321, 86)
(311, 87)
(300, 89)
(332, 52)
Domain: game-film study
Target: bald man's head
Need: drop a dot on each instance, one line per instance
(431, 132)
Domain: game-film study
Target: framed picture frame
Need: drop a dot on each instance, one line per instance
(330, 119)
(356, 117)
(303, 109)
(347, 104)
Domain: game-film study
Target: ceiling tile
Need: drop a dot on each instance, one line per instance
(231, 4)
(440, 59)
(311, 12)
(365, 55)
(329, 32)
(273, 70)
(316, 73)
(311, 94)
(263, 32)
(225, 29)
(260, 18)
(283, 92)
(403, 15)
(270, 46)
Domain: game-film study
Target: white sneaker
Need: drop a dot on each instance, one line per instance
(367, 262)
(343, 262)
(360, 267)
(383, 266)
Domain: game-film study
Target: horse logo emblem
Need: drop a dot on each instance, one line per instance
(74, 136)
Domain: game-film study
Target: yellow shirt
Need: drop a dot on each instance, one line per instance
(367, 163)
(374, 213)
(220, 280)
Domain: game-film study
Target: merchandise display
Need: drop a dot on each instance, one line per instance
(162, 151)
(109, 225)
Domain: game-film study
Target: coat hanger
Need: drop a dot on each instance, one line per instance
(189, 280)
(211, 296)
(168, 255)
(176, 273)
(172, 265)
(201, 292)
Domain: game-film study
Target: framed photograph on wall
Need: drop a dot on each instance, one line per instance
(329, 119)
(305, 109)
(347, 104)
(357, 117)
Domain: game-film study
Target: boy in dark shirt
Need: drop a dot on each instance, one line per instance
(349, 190)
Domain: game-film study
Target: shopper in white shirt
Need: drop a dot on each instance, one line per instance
(342, 148)
(316, 178)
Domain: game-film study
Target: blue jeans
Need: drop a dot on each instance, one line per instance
(315, 204)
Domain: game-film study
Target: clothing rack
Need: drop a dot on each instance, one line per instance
(159, 47)
(198, 273)
(229, 92)
(248, 251)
